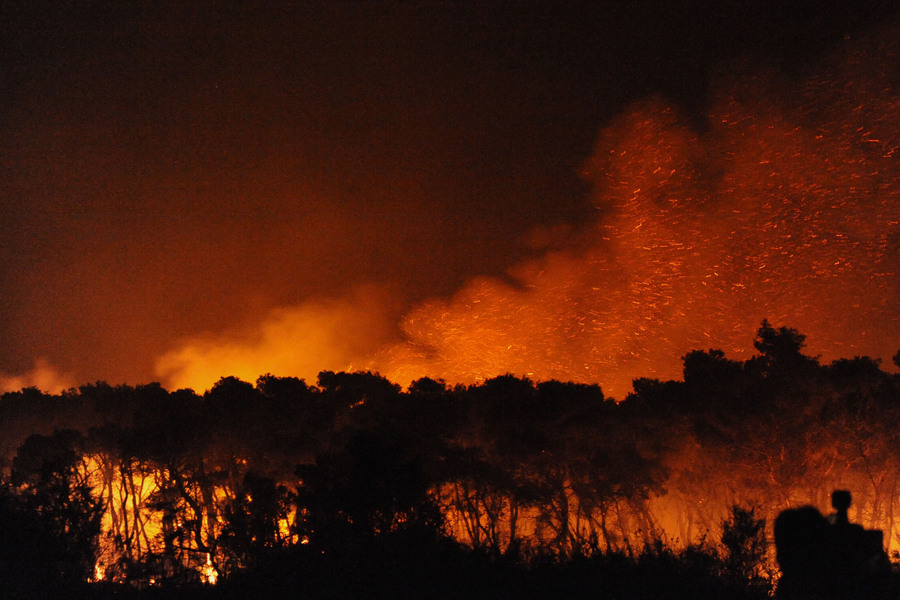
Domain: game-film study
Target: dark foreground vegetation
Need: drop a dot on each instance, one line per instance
(400, 566)
(353, 488)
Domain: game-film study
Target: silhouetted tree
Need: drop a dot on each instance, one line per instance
(231, 401)
(35, 559)
(31, 411)
(361, 386)
(426, 387)
(369, 489)
(712, 377)
(256, 521)
(51, 482)
(284, 389)
(780, 351)
(744, 539)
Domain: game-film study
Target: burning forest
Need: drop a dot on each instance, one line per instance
(455, 300)
(148, 487)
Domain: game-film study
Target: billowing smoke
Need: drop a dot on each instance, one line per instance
(299, 341)
(784, 205)
(44, 376)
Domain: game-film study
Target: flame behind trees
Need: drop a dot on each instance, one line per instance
(509, 467)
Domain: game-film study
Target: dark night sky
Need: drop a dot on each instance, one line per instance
(169, 169)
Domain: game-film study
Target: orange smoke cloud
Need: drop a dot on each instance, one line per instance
(44, 376)
(786, 207)
(298, 341)
(788, 211)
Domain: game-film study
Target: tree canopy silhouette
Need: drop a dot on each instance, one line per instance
(160, 485)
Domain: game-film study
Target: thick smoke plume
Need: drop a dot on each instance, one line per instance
(784, 204)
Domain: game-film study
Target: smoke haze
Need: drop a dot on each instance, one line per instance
(42, 376)
(299, 341)
(188, 195)
(786, 207)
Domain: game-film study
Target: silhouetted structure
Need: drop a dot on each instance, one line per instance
(828, 558)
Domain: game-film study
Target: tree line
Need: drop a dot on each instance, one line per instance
(158, 489)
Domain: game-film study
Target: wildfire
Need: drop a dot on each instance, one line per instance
(787, 207)
(209, 573)
(135, 527)
(789, 212)
(783, 204)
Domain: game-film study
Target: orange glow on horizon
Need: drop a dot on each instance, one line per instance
(298, 341)
(785, 212)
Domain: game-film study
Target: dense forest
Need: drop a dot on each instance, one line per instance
(353, 487)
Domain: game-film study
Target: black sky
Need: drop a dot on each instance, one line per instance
(172, 168)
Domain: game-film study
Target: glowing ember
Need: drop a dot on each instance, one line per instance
(209, 573)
